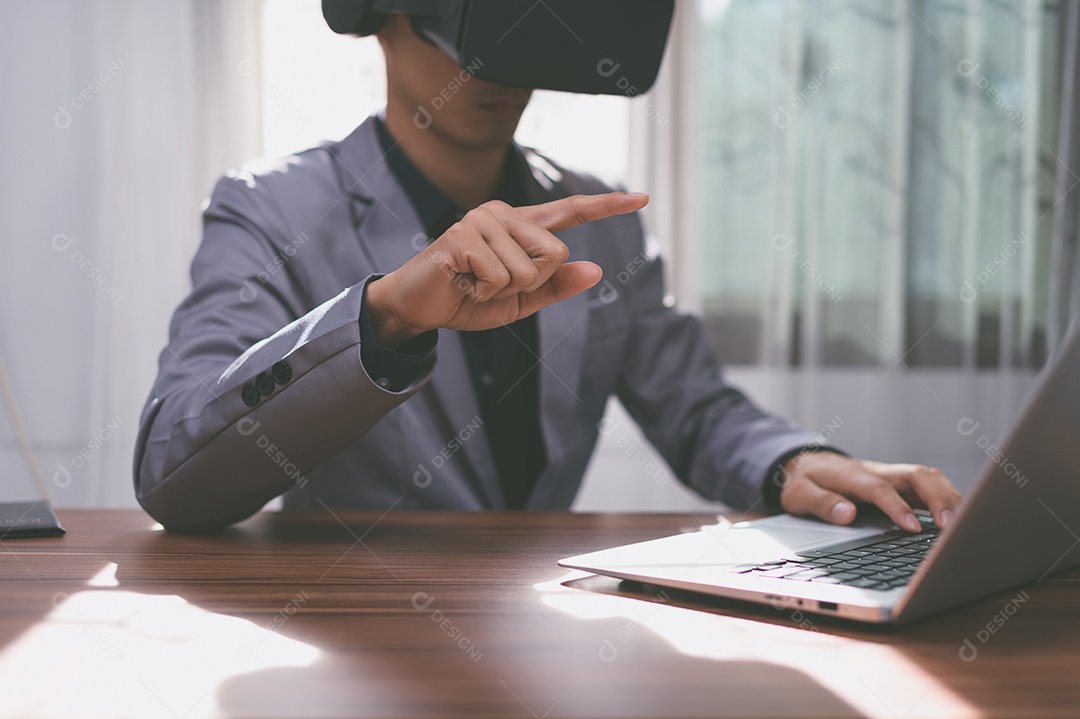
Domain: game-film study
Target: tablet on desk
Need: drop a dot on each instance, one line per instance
(28, 519)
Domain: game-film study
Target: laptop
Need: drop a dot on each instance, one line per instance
(1019, 524)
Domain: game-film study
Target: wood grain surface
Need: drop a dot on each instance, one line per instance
(409, 614)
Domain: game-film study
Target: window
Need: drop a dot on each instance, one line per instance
(318, 85)
(883, 181)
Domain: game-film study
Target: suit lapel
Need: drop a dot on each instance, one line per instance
(563, 330)
(385, 219)
(453, 390)
(390, 235)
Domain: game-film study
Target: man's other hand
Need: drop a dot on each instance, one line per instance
(828, 485)
(496, 266)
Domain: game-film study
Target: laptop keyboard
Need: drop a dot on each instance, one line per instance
(881, 562)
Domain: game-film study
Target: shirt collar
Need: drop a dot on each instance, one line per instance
(431, 205)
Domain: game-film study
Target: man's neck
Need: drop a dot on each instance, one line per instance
(468, 177)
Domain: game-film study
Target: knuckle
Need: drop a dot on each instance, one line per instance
(480, 215)
(883, 492)
(561, 251)
(826, 502)
(494, 206)
(453, 234)
(530, 274)
(937, 479)
(931, 474)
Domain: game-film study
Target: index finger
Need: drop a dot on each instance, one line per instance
(931, 488)
(567, 212)
(908, 485)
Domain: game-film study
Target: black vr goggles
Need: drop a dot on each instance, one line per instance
(600, 47)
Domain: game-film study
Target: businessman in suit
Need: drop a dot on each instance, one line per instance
(413, 317)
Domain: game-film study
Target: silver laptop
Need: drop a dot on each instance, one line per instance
(1019, 524)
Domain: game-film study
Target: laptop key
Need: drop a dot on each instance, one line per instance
(823, 561)
(864, 571)
(780, 572)
(851, 544)
(845, 566)
(863, 583)
(883, 576)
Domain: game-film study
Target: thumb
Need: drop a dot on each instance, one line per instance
(570, 279)
(804, 496)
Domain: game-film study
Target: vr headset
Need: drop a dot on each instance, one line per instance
(599, 47)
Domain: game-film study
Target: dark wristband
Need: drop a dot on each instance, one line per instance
(393, 369)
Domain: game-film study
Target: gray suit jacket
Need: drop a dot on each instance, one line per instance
(288, 247)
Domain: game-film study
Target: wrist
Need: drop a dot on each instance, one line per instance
(389, 331)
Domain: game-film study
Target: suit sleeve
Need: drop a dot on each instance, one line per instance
(717, 441)
(255, 388)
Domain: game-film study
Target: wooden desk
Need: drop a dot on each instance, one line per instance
(455, 614)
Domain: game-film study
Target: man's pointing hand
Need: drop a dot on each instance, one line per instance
(496, 266)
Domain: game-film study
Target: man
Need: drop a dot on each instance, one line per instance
(390, 321)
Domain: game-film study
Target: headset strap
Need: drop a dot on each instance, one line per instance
(436, 8)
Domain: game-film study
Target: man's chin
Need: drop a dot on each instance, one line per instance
(486, 139)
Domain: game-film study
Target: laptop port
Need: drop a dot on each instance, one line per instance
(831, 606)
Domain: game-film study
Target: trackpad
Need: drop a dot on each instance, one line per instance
(726, 544)
(782, 534)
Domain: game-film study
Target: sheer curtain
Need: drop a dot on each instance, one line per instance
(1064, 286)
(117, 118)
(875, 186)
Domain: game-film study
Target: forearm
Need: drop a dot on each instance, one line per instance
(206, 456)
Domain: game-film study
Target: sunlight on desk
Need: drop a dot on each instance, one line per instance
(80, 660)
(876, 680)
(105, 578)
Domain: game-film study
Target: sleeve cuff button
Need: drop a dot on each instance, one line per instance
(282, 372)
(250, 395)
(264, 383)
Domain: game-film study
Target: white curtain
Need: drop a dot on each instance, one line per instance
(860, 199)
(118, 116)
